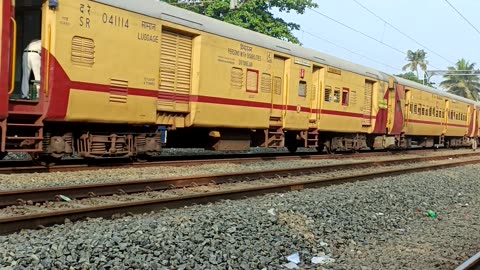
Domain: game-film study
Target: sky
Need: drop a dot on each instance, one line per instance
(444, 34)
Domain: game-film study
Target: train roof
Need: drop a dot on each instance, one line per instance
(166, 12)
(433, 90)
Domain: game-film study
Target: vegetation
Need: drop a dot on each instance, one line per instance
(255, 15)
(466, 83)
(409, 76)
(415, 60)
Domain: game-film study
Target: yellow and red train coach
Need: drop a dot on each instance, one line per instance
(117, 74)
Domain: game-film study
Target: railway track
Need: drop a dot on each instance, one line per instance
(25, 166)
(91, 201)
(471, 264)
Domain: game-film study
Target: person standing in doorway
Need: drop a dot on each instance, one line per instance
(31, 63)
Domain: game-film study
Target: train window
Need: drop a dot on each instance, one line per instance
(328, 93)
(437, 113)
(252, 81)
(423, 111)
(411, 107)
(430, 112)
(236, 78)
(345, 94)
(266, 83)
(336, 96)
(302, 89)
(353, 97)
(415, 109)
(277, 85)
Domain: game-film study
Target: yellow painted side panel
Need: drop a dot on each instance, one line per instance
(89, 106)
(422, 123)
(346, 118)
(341, 124)
(221, 78)
(95, 43)
(217, 115)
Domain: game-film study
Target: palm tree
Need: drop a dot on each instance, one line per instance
(466, 83)
(415, 60)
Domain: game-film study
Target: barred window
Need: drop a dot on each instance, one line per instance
(345, 95)
(327, 96)
(266, 84)
(236, 78)
(336, 96)
(277, 85)
(302, 89)
(252, 81)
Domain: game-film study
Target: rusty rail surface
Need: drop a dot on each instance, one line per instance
(32, 221)
(15, 167)
(13, 197)
(471, 264)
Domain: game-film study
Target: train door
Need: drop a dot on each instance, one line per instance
(175, 72)
(367, 103)
(446, 113)
(28, 18)
(408, 107)
(278, 73)
(317, 86)
(7, 26)
(469, 120)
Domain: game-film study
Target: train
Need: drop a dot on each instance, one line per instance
(122, 78)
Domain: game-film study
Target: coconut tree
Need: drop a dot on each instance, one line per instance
(415, 60)
(462, 80)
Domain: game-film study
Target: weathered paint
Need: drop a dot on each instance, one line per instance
(5, 51)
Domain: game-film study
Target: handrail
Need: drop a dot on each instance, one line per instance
(47, 68)
(287, 88)
(14, 54)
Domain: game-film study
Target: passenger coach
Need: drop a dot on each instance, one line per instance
(117, 75)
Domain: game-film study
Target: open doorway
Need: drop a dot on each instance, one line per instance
(28, 15)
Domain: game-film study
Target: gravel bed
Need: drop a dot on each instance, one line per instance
(32, 208)
(39, 180)
(378, 224)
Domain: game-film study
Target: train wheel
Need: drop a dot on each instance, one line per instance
(141, 158)
(328, 147)
(292, 148)
(474, 145)
(44, 160)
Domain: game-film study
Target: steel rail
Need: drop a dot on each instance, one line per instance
(13, 197)
(32, 221)
(13, 167)
(473, 263)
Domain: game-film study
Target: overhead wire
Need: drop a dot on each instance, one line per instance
(363, 34)
(401, 32)
(461, 15)
(359, 54)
